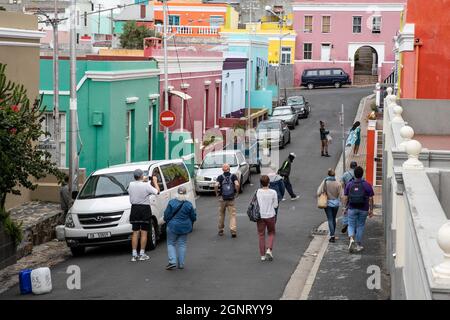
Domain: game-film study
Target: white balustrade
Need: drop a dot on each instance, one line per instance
(189, 30)
(398, 110)
(441, 272)
(391, 100)
(413, 149)
(407, 133)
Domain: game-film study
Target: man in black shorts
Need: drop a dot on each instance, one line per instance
(140, 215)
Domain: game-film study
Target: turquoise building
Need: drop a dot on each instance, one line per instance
(118, 108)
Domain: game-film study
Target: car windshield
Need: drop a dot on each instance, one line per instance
(295, 100)
(282, 112)
(217, 160)
(107, 185)
(268, 125)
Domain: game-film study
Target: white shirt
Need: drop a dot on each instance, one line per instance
(268, 201)
(139, 192)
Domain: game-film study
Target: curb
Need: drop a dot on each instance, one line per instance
(302, 279)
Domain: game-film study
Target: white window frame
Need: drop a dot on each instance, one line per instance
(286, 55)
(128, 131)
(312, 24)
(326, 16)
(354, 25)
(216, 18)
(304, 51)
(375, 24)
(321, 48)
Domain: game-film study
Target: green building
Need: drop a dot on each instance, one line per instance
(118, 108)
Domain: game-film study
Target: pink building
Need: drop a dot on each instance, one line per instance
(355, 35)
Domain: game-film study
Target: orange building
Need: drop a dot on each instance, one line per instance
(193, 18)
(424, 44)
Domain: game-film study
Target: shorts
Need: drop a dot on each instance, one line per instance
(140, 217)
(324, 142)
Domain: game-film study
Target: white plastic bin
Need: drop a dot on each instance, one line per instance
(41, 280)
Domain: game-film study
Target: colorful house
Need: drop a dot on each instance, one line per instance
(423, 45)
(118, 100)
(354, 35)
(142, 14)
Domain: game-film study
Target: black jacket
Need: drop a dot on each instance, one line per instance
(285, 169)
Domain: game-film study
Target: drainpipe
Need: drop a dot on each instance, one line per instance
(417, 46)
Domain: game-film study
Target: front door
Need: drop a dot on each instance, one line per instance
(326, 52)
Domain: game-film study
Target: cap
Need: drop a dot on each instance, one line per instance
(292, 154)
(353, 164)
(138, 173)
(182, 190)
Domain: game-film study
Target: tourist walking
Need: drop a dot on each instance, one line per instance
(359, 203)
(285, 172)
(324, 139)
(179, 217)
(333, 190)
(276, 183)
(348, 176)
(64, 198)
(268, 202)
(227, 188)
(354, 138)
(141, 212)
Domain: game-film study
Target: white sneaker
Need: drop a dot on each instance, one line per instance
(269, 255)
(263, 258)
(134, 258)
(359, 248)
(143, 257)
(295, 198)
(351, 246)
(284, 199)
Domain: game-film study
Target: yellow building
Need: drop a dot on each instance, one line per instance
(269, 29)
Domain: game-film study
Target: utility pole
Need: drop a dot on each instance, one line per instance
(99, 17)
(280, 24)
(57, 130)
(343, 138)
(73, 129)
(166, 76)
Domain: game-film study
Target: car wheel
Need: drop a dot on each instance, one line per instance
(282, 144)
(292, 127)
(241, 188)
(296, 122)
(310, 86)
(152, 242)
(289, 140)
(78, 251)
(337, 85)
(258, 168)
(249, 177)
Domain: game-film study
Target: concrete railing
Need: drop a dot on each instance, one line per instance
(190, 30)
(416, 224)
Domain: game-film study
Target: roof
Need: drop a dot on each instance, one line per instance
(134, 13)
(226, 152)
(130, 167)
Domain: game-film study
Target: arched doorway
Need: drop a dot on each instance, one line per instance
(366, 66)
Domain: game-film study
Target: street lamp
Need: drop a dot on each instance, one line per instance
(280, 25)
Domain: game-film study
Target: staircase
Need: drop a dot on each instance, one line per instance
(361, 80)
(379, 155)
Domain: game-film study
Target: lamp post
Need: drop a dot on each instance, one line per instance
(280, 25)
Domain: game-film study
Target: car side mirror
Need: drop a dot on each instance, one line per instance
(244, 163)
(74, 195)
(196, 166)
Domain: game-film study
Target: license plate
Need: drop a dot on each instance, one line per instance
(99, 235)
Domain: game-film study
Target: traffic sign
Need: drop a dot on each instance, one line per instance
(167, 118)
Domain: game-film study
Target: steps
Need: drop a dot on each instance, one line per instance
(362, 79)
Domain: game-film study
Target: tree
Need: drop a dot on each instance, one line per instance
(133, 35)
(20, 129)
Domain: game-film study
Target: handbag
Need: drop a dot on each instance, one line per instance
(322, 199)
(253, 209)
(329, 138)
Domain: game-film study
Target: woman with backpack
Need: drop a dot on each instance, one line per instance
(267, 202)
(179, 217)
(333, 191)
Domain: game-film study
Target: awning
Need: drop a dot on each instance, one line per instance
(180, 94)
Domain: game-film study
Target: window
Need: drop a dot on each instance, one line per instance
(258, 78)
(308, 24)
(85, 19)
(286, 55)
(326, 24)
(325, 52)
(337, 72)
(311, 73)
(357, 24)
(216, 21)
(175, 174)
(156, 172)
(376, 24)
(174, 20)
(107, 185)
(324, 72)
(128, 132)
(48, 143)
(307, 51)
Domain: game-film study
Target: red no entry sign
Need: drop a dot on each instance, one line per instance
(167, 118)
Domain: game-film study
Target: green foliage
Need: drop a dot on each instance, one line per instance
(20, 129)
(133, 35)
(12, 229)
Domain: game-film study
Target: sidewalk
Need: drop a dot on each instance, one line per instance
(348, 273)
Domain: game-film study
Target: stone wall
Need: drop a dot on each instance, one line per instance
(7, 249)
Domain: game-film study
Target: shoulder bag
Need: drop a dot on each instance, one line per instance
(322, 199)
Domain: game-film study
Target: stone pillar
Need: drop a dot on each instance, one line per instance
(413, 149)
(441, 272)
(407, 133)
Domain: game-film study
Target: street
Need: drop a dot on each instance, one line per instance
(222, 267)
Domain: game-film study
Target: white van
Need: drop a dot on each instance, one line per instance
(101, 211)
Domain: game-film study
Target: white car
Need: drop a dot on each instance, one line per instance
(211, 167)
(101, 211)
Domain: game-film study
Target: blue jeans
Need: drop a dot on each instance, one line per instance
(173, 241)
(345, 219)
(356, 223)
(331, 213)
(288, 186)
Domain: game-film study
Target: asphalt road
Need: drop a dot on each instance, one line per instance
(221, 267)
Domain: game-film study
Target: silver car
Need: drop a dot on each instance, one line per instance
(273, 132)
(286, 114)
(206, 174)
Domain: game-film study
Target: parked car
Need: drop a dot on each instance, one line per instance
(287, 114)
(273, 132)
(101, 210)
(211, 167)
(336, 77)
(300, 105)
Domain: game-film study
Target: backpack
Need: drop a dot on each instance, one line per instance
(357, 194)
(228, 188)
(351, 179)
(253, 209)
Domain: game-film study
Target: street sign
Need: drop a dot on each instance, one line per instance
(167, 118)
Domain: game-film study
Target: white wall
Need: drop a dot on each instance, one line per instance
(233, 86)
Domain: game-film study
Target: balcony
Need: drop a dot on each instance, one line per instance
(190, 31)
